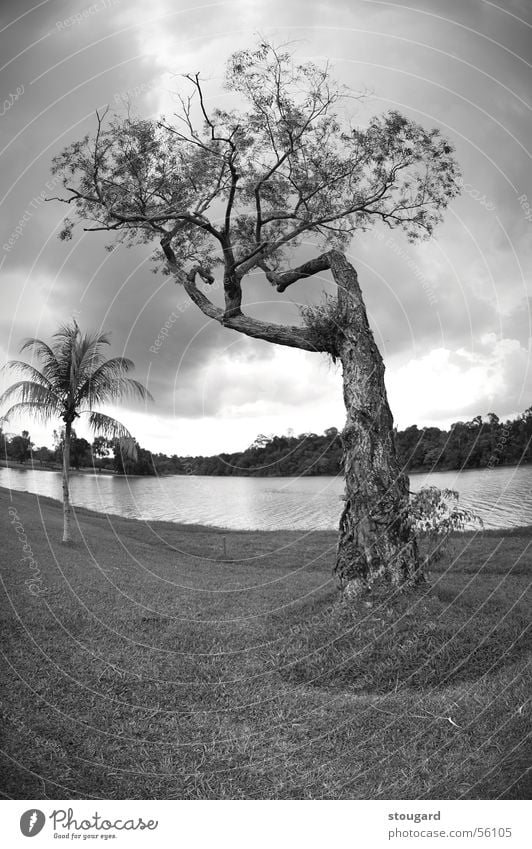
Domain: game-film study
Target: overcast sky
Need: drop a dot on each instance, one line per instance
(452, 316)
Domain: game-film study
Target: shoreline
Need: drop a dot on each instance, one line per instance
(25, 467)
(162, 524)
(88, 512)
(8, 464)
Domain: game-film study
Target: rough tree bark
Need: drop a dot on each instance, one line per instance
(376, 541)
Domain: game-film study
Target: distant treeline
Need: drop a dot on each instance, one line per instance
(476, 444)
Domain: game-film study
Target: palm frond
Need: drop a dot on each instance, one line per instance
(66, 335)
(29, 370)
(39, 346)
(107, 426)
(103, 391)
(76, 355)
(133, 388)
(33, 408)
(36, 393)
(102, 376)
(66, 348)
(90, 355)
(43, 352)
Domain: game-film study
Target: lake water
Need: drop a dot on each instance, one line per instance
(501, 497)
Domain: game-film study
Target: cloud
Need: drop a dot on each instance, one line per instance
(289, 378)
(446, 385)
(430, 304)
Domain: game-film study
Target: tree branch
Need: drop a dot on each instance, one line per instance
(289, 335)
(286, 278)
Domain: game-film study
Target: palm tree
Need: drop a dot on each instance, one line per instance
(74, 377)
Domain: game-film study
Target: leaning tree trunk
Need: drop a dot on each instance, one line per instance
(376, 541)
(67, 510)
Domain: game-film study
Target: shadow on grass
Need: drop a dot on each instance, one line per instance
(417, 643)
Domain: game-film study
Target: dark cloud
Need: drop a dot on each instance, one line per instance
(457, 66)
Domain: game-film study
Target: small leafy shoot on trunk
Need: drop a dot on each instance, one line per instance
(436, 515)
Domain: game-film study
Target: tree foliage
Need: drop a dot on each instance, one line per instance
(80, 449)
(239, 186)
(474, 444)
(436, 515)
(132, 460)
(20, 447)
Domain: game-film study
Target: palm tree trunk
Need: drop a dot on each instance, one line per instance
(67, 510)
(376, 544)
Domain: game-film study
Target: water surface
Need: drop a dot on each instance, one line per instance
(502, 497)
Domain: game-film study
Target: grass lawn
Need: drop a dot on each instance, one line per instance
(150, 668)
